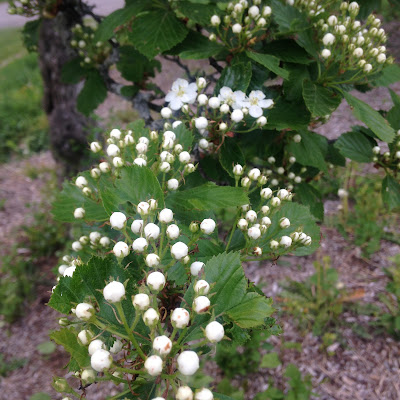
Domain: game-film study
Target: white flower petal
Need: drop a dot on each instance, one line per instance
(176, 104)
(255, 111)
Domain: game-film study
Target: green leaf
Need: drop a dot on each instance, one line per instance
(72, 71)
(270, 360)
(207, 197)
(156, 31)
(293, 87)
(138, 184)
(92, 94)
(288, 18)
(236, 76)
(30, 34)
(199, 13)
(287, 50)
(312, 198)
(270, 62)
(393, 115)
(230, 155)
(309, 151)
(391, 192)
(196, 47)
(183, 136)
(371, 118)
(134, 66)
(67, 338)
(390, 74)
(40, 396)
(71, 198)
(286, 115)
(117, 18)
(319, 100)
(356, 146)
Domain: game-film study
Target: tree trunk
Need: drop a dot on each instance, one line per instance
(69, 129)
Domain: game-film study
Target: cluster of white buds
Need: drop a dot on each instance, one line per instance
(355, 46)
(90, 51)
(389, 159)
(256, 223)
(215, 116)
(242, 25)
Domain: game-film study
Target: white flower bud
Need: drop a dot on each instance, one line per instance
(70, 270)
(266, 193)
(261, 22)
(152, 260)
(245, 182)
(342, 193)
(173, 232)
(151, 317)
(87, 191)
(154, 365)
(381, 58)
(141, 148)
(285, 242)
(280, 170)
(114, 292)
(325, 53)
(207, 226)
(177, 150)
(153, 204)
(196, 267)
(203, 394)
(211, 38)
(201, 122)
(367, 68)
(152, 231)
(202, 99)
(358, 52)
(297, 179)
(188, 363)
(116, 347)
(166, 215)
(62, 268)
(273, 244)
(254, 11)
(118, 220)
(251, 216)
(137, 226)
(238, 170)
(184, 393)
(284, 223)
(261, 121)
(166, 112)
(162, 345)
(104, 167)
(143, 208)
(242, 224)
(201, 304)
(118, 162)
(254, 174)
(275, 202)
(141, 301)
(79, 213)
(81, 182)
(201, 83)
(140, 162)
(179, 250)
(257, 251)
(203, 144)
(214, 332)
(116, 134)
(283, 194)
(266, 221)
(84, 311)
(215, 20)
(237, 28)
(129, 140)
(172, 184)
(101, 360)
(202, 287)
(214, 102)
(184, 157)
(84, 337)
(95, 147)
(156, 281)
(271, 160)
(95, 173)
(194, 227)
(265, 210)
(180, 318)
(237, 115)
(224, 108)
(254, 232)
(121, 249)
(113, 150)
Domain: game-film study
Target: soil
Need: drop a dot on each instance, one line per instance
(359, 368)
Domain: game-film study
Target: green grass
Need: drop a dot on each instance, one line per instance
(23, 123)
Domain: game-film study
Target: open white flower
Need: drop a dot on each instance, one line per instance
(182, 92)
(233, 99)
(256, 102)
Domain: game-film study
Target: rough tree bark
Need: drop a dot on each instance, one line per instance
(68, 128)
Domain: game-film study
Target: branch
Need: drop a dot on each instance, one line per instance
(177, 61)
(213, 63)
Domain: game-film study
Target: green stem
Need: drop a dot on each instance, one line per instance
(130, 371)
(233, 229)
(128, 331)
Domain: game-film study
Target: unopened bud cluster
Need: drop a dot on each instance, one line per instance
(390, 159)
(91, 52)
(243, 24)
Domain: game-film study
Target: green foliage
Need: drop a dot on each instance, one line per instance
(10, 365)
(93, 93)
(23, 125)
(316, 303)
